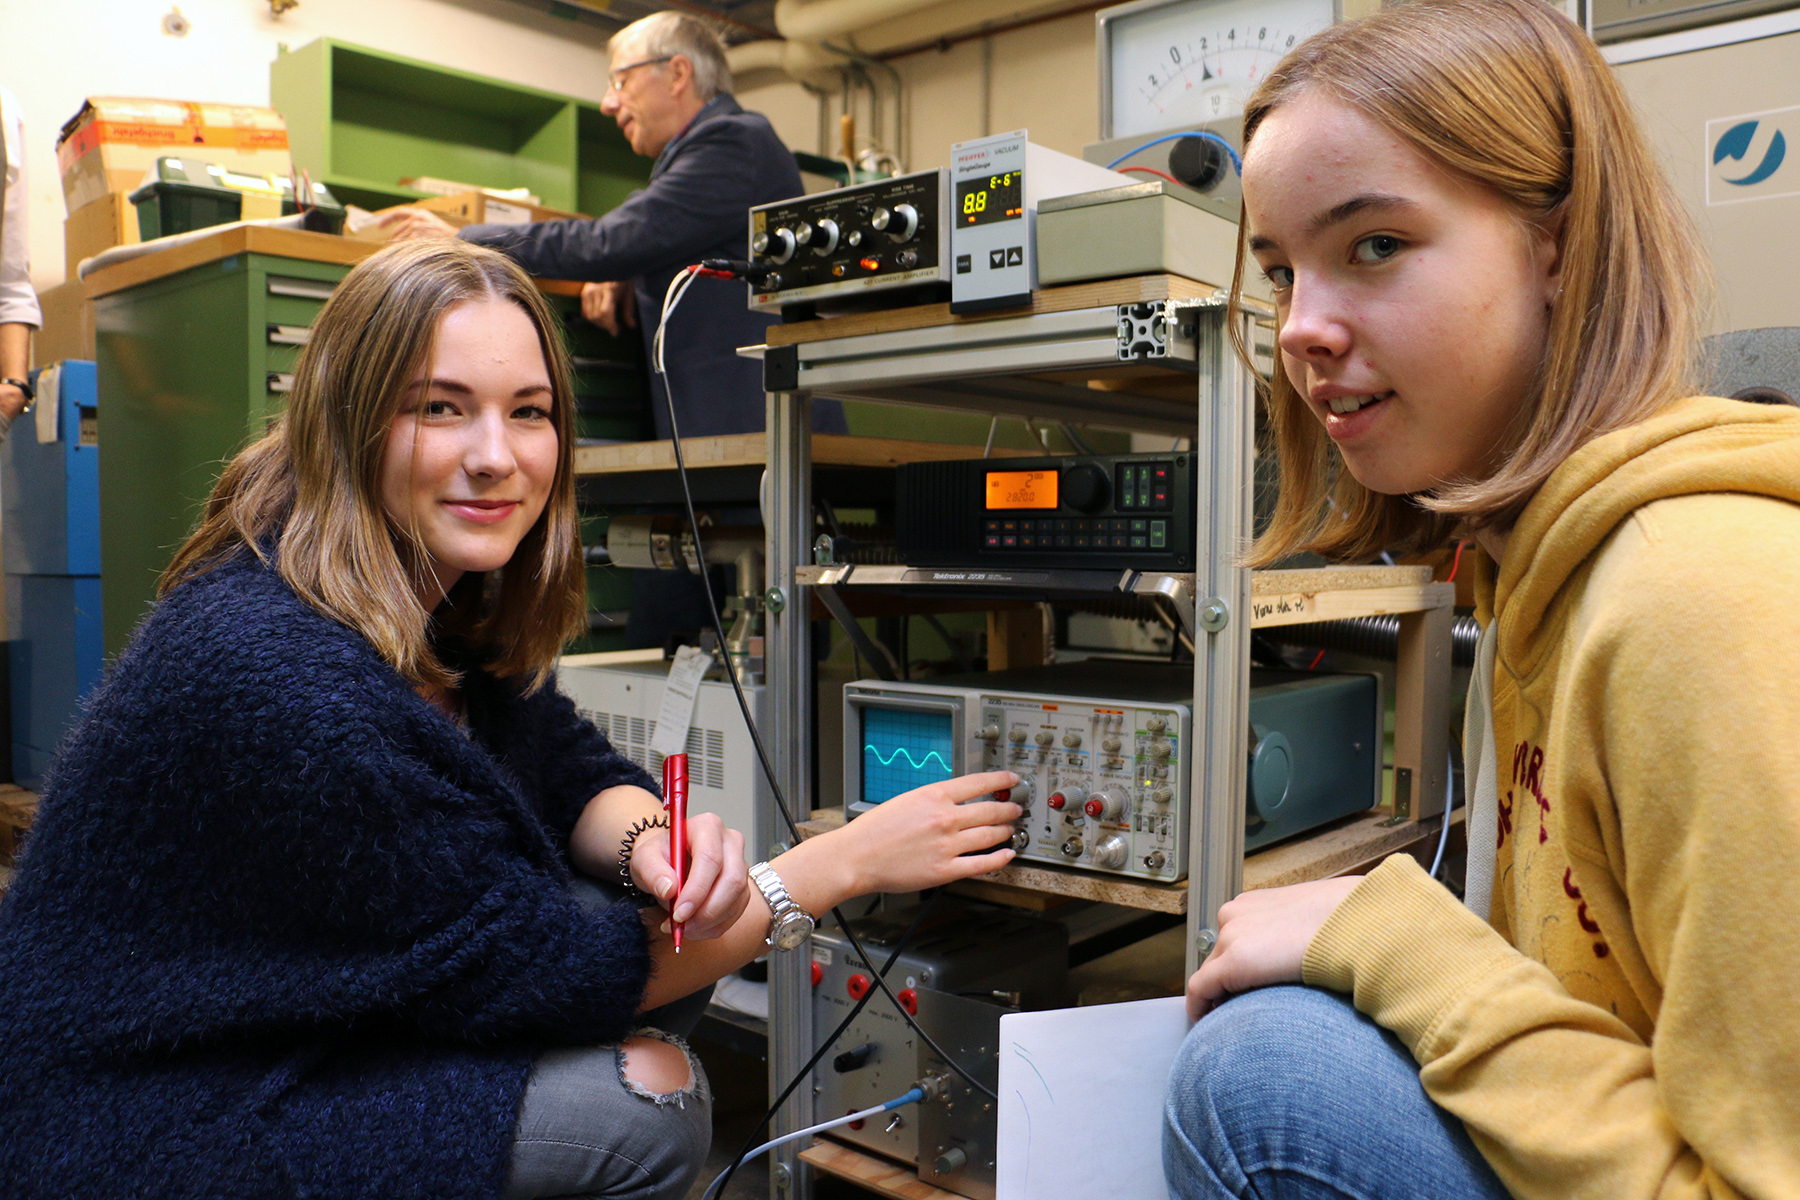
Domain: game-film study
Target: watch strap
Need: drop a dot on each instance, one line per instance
(781, 905)
(24, 385)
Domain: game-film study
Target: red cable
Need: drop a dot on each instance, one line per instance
(1456, 562)
(1154, 171)
(1317, 659)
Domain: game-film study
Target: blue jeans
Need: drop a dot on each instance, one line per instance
(585, 1130)
(1289, 1093)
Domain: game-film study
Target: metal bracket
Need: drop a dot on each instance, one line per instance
(822, 546)
(1402, 798)
(878, 655)
(1175, 590)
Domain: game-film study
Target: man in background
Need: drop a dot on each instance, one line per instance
(670, 92)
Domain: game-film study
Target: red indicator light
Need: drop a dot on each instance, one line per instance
(871, 263)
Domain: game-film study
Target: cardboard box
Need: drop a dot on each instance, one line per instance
(479, 208)
(68, 330)
(107, 222)
(111, 142)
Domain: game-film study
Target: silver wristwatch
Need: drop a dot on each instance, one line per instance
(791, 925)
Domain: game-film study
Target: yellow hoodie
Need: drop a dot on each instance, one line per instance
(1629, 1025)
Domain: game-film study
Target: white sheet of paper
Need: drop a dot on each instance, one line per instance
(676, 715)
(1100, 1069)
(48, 405)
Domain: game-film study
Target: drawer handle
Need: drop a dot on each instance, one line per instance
(280, 383)
(302, 289)
(289, 335)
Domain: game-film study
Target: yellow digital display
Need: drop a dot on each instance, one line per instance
(1021, 489)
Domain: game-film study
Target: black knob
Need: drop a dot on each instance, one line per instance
(1085, 488)
(850, 1060)
(1198, 162)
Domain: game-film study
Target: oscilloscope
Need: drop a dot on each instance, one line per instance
(1101, 749)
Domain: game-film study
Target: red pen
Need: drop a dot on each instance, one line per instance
(675, 780)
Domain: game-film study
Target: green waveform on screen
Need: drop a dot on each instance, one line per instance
(918, 765)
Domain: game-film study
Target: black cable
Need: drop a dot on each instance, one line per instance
(893, 957)
(737, 689)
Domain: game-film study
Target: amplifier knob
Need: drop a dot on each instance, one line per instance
(760, 243)
(951, 1161)
(853, 238)
(803, 233)
(990, 733)
(773, 282)
(1072, 847)
(827, 240)
(1085, 487)
(1105, 806)
(1110, 852)
(781, 245)
(1110, 744)
(1072, 738)
(1069, 799)
(908, 223)
(878, 220)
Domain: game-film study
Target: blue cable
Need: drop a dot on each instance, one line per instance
(1237, 164)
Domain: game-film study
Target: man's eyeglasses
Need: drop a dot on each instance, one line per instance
(616, 77)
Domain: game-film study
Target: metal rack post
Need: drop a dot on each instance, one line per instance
(787, 646)
(1222, 461)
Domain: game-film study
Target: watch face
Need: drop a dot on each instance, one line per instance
(791, 930)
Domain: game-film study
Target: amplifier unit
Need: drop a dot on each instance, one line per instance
(1101, 751)
(883, 236)
(1131, 511)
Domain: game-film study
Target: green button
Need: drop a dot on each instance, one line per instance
(1140, 526)
(1139, 542)
(1159, 535)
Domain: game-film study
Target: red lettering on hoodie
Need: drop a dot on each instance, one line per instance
(1587, 923)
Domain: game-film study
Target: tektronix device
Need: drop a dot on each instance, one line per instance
(886, 238)
(996, 183)
(1101, 750)
(1130, 511)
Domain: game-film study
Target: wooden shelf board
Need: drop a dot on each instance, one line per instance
(752, 450)
(878, 1175)
(240, 239)
(1356, 841)
(1131, 290)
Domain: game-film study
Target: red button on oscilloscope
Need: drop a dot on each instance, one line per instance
(858, 986)
(909, 1000)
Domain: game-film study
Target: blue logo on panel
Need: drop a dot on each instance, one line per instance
(1749, 159)
(1735, 145)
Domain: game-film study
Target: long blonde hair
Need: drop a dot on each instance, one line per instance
(1510, 94)
(310, 489)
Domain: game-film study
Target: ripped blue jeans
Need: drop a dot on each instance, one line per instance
(585, 1130)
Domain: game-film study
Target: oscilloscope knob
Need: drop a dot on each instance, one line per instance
(1159, 748)
(1162, 795)
(1085, 488)
(1072, 738)
(1156, 724)
(989, 733)
(1016, 736)
(1068, 799)
(1109, 852)
(1110, 744)
(1045, 738)
(1105, 806)
(1021, 840)
(1019, 793)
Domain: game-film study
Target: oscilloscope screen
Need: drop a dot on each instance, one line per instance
(904, 748)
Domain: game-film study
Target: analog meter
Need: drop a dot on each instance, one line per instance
(1181, 64)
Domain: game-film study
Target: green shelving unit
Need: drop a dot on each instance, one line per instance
(361, 120)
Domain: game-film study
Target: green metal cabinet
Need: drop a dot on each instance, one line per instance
(193, 366)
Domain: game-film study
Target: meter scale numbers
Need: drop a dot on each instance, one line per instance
(1198, 61)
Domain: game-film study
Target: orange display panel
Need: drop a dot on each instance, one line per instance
(1021, 489)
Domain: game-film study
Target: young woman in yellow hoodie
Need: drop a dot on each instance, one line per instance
(1488, 305)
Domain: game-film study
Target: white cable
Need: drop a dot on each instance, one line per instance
(912, 1097)
(1449, 795)
(993, 424)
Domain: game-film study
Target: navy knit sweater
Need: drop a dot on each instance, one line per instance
(283, 930)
